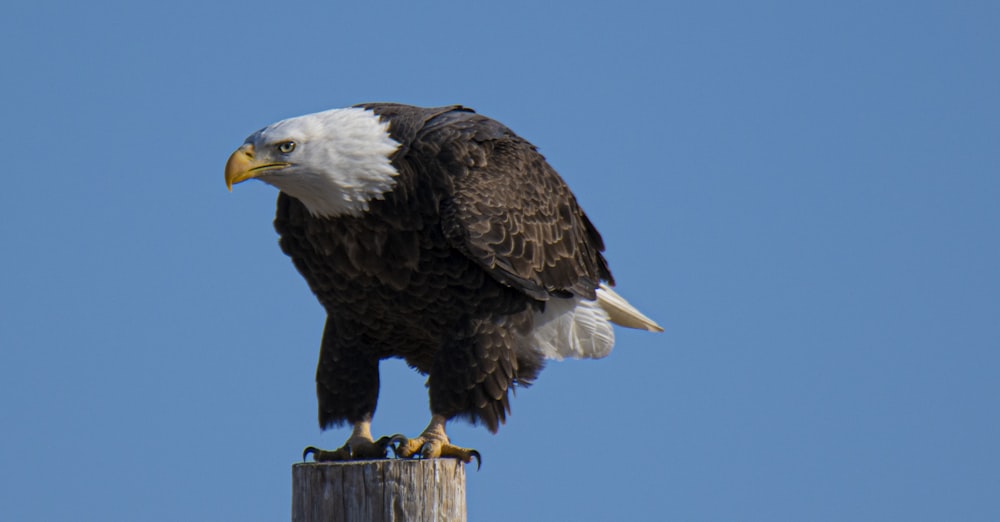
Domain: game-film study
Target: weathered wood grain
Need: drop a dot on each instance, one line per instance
(393, 490)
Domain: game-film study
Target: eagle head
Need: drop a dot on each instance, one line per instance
(335, 162)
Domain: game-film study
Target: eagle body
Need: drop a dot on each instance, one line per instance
(438, 236)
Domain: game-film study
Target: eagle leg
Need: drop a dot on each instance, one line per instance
(433, 443)
(359, 446)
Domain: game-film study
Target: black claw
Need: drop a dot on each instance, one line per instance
(326, 456)
(307, 451)
(423, 451)
(479, 458)
(384, 443)
(394, 442)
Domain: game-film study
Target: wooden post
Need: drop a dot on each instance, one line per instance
(396, 490)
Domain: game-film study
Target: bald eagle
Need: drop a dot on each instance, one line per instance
(438, 236)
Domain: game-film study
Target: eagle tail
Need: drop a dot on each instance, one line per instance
(622, 313)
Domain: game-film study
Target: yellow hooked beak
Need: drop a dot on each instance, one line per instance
(242, 165)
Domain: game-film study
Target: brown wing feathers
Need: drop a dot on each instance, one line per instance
(511, 212)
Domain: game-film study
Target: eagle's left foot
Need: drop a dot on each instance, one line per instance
(432, 449)
(433, 443)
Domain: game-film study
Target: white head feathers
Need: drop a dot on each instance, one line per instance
(338, 159)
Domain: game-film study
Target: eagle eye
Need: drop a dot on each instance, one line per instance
(286, 147)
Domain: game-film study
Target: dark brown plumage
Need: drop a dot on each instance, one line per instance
(447, 271)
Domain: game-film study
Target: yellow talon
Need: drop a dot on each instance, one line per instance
(359, 446)
(427, 446)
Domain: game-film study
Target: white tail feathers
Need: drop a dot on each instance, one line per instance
(581, 329)
(575, 327)
(622, 313)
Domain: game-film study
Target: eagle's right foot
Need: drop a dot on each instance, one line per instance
(360, 446)
(353, 449)
(321, 455)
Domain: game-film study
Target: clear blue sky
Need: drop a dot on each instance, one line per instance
(806, 195)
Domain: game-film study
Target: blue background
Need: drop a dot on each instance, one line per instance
(804, 194)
